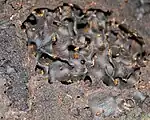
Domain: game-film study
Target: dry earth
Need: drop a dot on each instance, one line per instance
(27, 96)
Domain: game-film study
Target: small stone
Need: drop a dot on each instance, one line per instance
(10, 70)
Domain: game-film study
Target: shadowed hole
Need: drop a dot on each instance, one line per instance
(66, 82)
(88, 81)
(81, 25)
(71, 47)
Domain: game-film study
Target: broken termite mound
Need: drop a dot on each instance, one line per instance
(71, 44)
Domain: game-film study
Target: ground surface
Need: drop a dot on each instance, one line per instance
(26, 96)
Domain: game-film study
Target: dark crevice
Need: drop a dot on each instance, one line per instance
(81, 25)
(66, 83)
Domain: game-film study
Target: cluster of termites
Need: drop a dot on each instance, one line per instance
(71, 44)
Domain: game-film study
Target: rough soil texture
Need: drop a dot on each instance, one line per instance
(25, 95)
